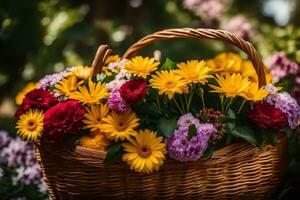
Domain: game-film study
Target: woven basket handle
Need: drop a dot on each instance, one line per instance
(203, 34)
(102, 53)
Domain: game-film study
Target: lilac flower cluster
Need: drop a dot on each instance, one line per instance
(288, 105)
(116, 102)
(121, 77)
(240, 26)
(280, 66)
(51, 79)
(19, 155)
(208, 10)
(183, 148)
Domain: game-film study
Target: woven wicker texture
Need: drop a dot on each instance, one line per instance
(238, 171)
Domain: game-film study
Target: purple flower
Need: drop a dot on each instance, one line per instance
(27, 175)
(19, 157)
(4, 139)
(186, 120)
(288, 105)
(271, 88)
(280, 66)
(240, 26)
(115, 101)
(183, 149)
(208, 10)
(52, 79)
(114, 84)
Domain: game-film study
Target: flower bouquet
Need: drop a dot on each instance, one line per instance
(189, 129)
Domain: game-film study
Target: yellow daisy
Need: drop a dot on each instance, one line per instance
(167, 82)
(253, 93)
(141, 67)
(248, 70)
(120, 126)
(194, 71)
(30, 125)
(226, 62)
(94, 116)
(231, 84)
(145, 152)
(112, 58)
(68, 85)
(91, 94)
(21, 95)
(82, 72)
(96, 141)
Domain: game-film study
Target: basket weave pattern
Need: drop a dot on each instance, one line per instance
(238, 171)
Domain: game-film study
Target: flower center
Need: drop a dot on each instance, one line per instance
(121, 126)
(31, 125)
(231, 89)
(192, 76)
(144, 151)
(169, 84)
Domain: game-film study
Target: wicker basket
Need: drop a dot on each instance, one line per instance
(238, 171)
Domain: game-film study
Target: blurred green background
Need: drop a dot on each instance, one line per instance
(38, 37)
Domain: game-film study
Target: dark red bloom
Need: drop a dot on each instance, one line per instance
(37, 98)
(41, 99)
(133, 90)
(63, 119)
(22, 110)
(265, 115)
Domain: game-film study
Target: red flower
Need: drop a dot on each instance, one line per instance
(37, 98)
(63, 119)
(265, 115)
(22, 110)
(133, 90)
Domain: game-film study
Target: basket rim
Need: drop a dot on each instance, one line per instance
(236, 150)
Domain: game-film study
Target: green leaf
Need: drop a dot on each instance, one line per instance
(209, 151)
(166, 127)
(113, 153)
(192, 131)
(230, 115)
(259, 140)
(270, 137)
(169, 64)
(244, 132)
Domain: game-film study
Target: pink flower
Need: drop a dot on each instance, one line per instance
(280, 66)
(116, 102)
(240, 26)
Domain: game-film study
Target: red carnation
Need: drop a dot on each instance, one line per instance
(37, 98)
(63, 119)
(133, 90)
(22, 110)
(265, 115)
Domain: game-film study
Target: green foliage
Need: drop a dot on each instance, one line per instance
(168, 65)
(114, 152)
(192, 131)
(210, 150)
(166, 127)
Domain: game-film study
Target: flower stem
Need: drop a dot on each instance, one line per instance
(222, 103)
(241, 106)
(190, 97)
(202, 97)
(228, 105)
(178, 106)
(182, 104)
